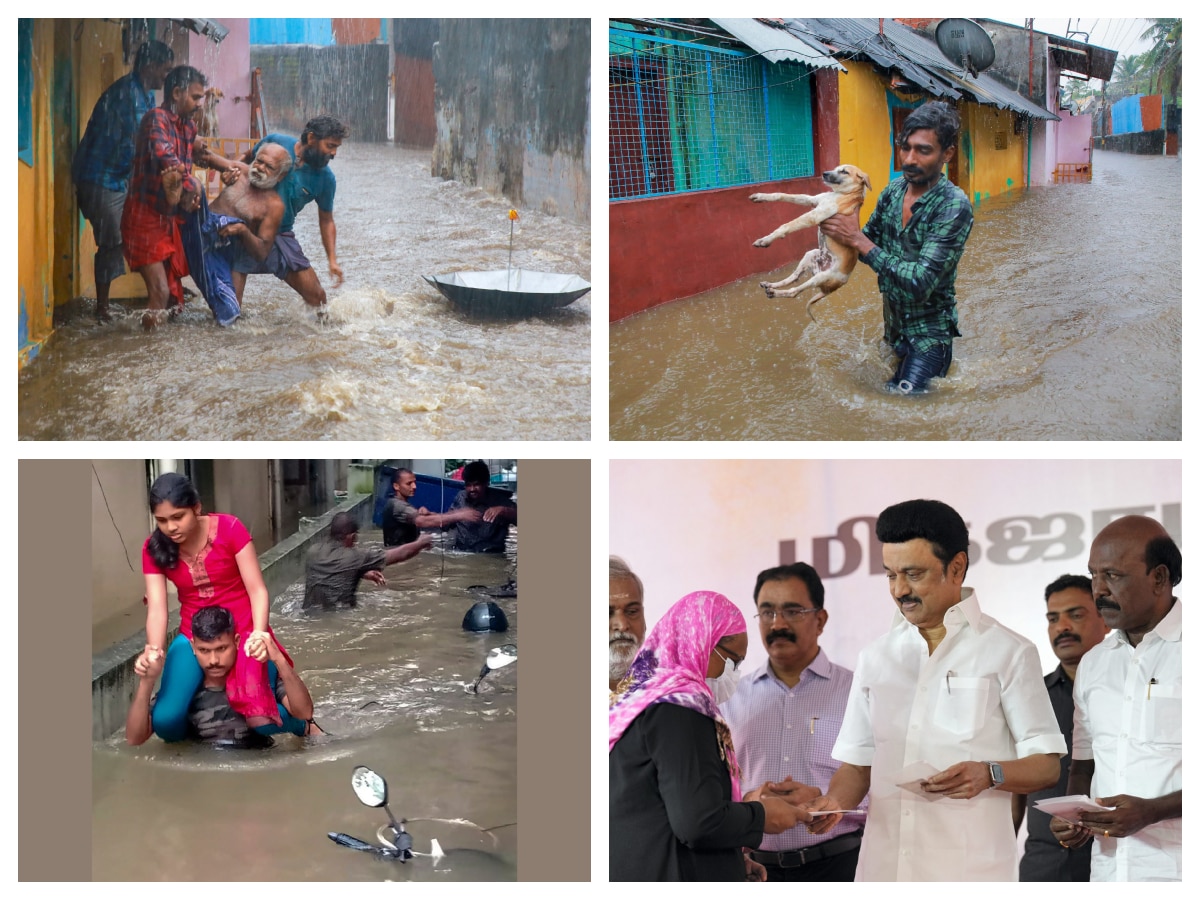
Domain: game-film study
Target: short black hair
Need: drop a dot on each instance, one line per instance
(322, 127)
(182, 77)
(940, 118)
(800, 570)
(477, 473)
(153, 53)
(1066, 582)
(1162, 551)
(342, 526)
(399, 472)
(932, 520)
(212, 622)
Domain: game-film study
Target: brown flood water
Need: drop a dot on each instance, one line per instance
(390, 683)
(395, 361)
(1070, 305)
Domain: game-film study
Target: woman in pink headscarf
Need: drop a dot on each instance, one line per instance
(674, 809)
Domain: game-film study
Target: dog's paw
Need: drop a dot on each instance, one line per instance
(757, 198)
(767, 289)
(763, 242)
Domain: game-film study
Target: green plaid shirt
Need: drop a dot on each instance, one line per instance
(917, 265)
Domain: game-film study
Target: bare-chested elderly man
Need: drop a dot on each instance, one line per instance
(247, 210)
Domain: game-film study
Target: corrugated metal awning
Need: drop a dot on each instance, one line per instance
(915, 57)
(777, 44)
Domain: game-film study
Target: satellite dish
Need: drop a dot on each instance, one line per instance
(965, 42)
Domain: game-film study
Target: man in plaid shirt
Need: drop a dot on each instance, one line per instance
(162, 190)
(102, 164)
(913, 242)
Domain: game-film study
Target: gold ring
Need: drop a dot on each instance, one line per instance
(1106, 834)
(1063, 844)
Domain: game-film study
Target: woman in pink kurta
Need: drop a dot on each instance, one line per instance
(210, 559)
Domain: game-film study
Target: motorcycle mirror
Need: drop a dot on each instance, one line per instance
(369, 786)
(497, 658)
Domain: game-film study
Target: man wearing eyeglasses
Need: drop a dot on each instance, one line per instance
(785, 718)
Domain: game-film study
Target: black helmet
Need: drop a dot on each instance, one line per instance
(485, 616)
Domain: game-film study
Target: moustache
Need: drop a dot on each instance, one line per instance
(616, 637)
(1104, 603)
(1065, 637)
(780, 635)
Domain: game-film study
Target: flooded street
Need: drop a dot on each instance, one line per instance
(396, 360)
(390, 683)
(1069, 303)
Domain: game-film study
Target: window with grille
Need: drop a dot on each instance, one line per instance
(685, 116)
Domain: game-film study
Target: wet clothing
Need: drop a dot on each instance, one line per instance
(105, 154)
(303, 183)
(915, 369)
(284, 257)
(481, 537)
(333, 570)
(163, 141)
(1045, 858)
(399, 522)
(149, 229)
(917, 264)
(102, 208)
(210, 260)
(212, 578)
(1129, 720)
(211, 718)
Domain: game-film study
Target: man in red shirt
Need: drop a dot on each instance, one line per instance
(161, 190)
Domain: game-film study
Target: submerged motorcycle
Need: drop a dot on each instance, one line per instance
(395, 841)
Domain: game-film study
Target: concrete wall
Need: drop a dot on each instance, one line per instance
(865, 127)
(226, 66)
(349, 82)
(120, 524)
(512, 109)
(994, 155)
(243, 489)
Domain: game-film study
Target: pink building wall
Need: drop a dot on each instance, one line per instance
(227, 66)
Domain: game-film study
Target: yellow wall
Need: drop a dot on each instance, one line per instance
(990, 171)
(865, 126)
(35, 206)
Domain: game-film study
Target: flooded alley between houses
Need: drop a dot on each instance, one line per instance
(1070, 306)
(395, 359)
(390, 681)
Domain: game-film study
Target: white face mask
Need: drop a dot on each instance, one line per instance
(724, 687)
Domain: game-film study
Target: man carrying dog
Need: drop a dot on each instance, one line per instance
(310, 179)
(913, 241)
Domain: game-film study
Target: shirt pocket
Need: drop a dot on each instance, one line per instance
(1164, 714)
(962, 708)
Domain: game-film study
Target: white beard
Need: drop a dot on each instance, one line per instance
(262, 182)
(620, 657)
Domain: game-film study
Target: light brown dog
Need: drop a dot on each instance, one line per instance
(209, 125)
(832, 262)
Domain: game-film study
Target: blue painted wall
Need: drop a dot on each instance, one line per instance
(291, 31)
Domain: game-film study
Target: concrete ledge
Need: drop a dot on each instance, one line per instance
(113, 679)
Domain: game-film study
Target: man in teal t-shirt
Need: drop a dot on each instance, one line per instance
(310, 179)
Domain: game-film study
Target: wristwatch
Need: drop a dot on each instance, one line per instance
(996, 772)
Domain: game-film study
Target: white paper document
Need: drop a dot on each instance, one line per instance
(1070, 807)
(913, 778)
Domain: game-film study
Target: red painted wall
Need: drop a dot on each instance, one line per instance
(667, 248)
(415, 123)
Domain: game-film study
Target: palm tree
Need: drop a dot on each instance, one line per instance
(1164, 59)
(1125, 78)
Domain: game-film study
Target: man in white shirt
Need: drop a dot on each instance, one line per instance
(1128, 749)
(948, 701)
